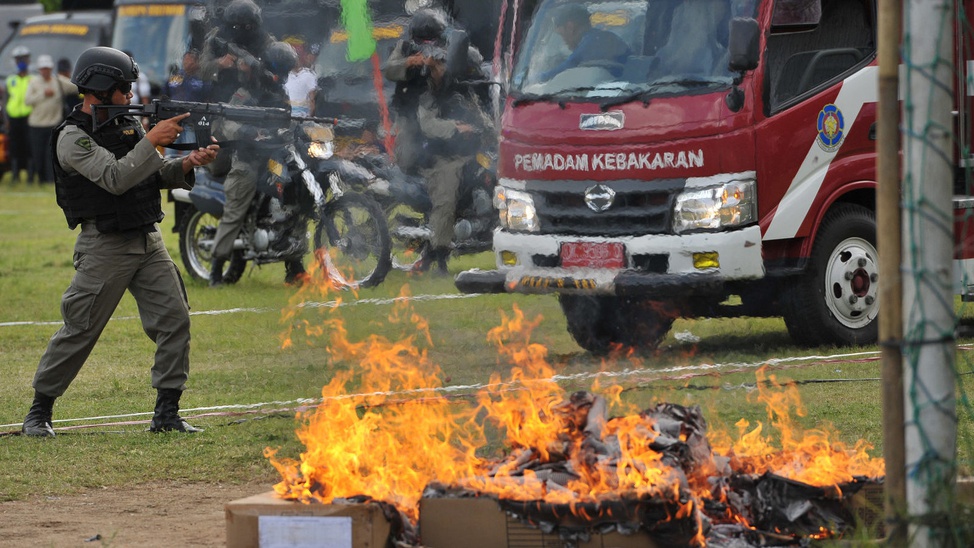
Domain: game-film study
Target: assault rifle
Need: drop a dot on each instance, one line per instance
(202, 115)
(221, 47)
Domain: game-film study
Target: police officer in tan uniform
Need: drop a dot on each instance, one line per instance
(108, 182)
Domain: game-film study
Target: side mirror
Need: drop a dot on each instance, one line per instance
(743, 44)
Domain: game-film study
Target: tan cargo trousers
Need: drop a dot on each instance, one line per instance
(106, 265)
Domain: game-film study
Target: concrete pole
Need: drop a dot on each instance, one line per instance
(928, 338)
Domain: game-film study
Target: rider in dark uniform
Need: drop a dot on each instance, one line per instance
(108, 182)
(264, 88)
(439, 124)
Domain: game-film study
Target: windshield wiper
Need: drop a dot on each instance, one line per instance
(554, 97)
(529, 98)
(644, 95)
(623, 99)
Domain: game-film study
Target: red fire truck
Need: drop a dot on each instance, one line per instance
(723, 165)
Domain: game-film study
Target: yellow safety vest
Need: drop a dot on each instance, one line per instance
(16, 92)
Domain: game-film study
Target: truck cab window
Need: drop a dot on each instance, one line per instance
(805, 61)
(613, 48)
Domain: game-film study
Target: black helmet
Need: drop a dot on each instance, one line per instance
(427, 25)
(102, 68)
(242, 18)
(280, 59)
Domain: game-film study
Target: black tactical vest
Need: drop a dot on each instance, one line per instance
(137, 208)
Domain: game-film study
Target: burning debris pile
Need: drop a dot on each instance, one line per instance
(390, 435)
(656, 472)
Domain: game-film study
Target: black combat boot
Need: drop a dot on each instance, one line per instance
(38, 419)
(433, 257)
(216, 272)
(441, 254)
(166, 417)
(424, 262)
(294, 273)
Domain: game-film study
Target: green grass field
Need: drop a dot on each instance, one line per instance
(238, 361)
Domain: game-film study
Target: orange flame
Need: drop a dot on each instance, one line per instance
(816, 457)
(387, 431)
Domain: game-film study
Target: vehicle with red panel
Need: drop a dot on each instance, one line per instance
(724, 166)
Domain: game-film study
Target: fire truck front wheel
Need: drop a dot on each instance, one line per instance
(835, 302)
(599, 324)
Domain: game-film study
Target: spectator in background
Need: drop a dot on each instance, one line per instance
(186, 84)
(302, 82)
(15, 113)
(45, 95)
(64, 74)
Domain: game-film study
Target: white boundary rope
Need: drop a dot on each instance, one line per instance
(309, 304)
(642, 373)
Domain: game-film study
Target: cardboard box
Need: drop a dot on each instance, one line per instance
(480, 523)
(265, 521)
(867, 507)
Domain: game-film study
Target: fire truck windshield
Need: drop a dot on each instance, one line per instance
(619, 48)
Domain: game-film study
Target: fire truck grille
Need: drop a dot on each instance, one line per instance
(637, 207)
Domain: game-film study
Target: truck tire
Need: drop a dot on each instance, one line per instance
(835, 301)
(599, 323)
(644, 323)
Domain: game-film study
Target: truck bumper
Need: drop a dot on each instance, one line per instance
(659, 265)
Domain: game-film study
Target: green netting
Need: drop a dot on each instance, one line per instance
(938, 410)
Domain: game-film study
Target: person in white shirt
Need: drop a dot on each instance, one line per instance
(302, 82)
(46, 96)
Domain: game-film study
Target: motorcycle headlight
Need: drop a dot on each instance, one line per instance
(716, 207)
(321, 150)
(516, 209)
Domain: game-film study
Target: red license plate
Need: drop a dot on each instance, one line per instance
(593, 254)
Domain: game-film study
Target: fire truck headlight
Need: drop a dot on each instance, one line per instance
(716, 207)
(516, 210)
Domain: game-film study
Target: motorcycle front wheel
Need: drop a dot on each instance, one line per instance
(196, 248)
(409, 235)
(352, 236)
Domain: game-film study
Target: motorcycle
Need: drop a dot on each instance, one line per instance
(295, 187)
(406, 204)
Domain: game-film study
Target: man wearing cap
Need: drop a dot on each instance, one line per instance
(45, 96)
(16, 112)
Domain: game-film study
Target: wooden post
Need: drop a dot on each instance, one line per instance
(888, 235)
